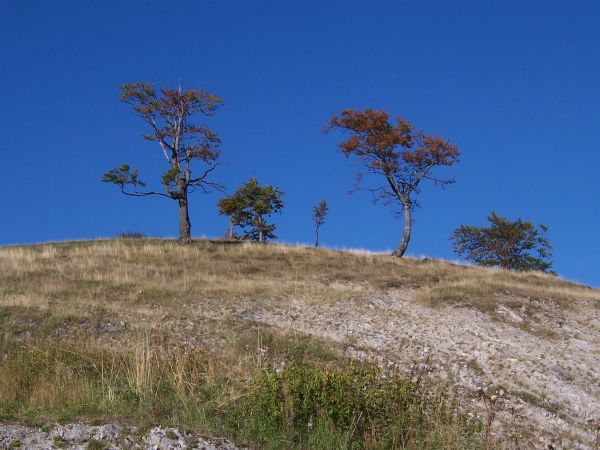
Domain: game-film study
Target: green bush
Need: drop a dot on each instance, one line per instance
(358, 405)
(131, 235)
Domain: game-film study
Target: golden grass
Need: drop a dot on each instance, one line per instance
(132, 275)
(113, 288)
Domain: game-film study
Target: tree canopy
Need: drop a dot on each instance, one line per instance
(248, 208)
(515, 245)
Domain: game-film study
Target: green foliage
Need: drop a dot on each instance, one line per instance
(319, 213)
(516, 245)
(302, 405)
(170, 177)
(123, 176)
(358, 406)
(131, 235)
(248, 207)
(5, 313)
(94, 444)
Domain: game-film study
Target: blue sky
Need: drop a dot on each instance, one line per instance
(516, 85)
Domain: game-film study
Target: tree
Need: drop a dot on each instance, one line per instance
(319, 213)
(169, 115)
(515, 245)
(396, 152)
(248, 207)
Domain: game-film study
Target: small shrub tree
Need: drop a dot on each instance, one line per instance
(515, 245)
(319, 213)
(248, 207)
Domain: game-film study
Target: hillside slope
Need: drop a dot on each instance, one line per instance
(520, 350)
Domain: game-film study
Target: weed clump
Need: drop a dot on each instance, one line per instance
(358, 406)
(131, 235)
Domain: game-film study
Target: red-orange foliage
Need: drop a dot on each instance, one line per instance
(395, 150)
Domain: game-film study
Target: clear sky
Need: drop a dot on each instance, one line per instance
(516, 85)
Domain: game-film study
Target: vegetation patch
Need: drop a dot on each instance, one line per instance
(285, 403)
(94, 444)
(354, 407)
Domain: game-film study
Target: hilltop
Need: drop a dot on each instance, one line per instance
(91, 330)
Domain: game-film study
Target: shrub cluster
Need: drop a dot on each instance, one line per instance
(357, 406)
(302, 405)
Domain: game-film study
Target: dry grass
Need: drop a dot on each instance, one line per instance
(136, 273)
(122, 306)
(95, 286)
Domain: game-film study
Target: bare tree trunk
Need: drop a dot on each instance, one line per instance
(261, 233)
(399, 252)
(317, 236)
(184, 221)
(230, 229)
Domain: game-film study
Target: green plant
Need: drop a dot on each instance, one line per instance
(59, 442)
(94, 444)
(302, 403)
(248, 207)
(359, 406)
(319, 214)
(516, 245)
(131, 235)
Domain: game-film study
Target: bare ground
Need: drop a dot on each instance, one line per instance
(548, 384)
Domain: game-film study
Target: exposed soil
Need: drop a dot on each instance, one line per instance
(545, 374)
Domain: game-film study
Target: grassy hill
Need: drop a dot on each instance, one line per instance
(291, 347)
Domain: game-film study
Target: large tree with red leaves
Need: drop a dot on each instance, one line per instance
(169, 114)
(396, 152)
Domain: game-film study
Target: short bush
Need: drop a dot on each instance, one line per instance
(358, 405)
(131, 235)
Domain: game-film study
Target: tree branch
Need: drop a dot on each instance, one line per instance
(144, 194)
(201, 178)
(163, 145)
(211, 185)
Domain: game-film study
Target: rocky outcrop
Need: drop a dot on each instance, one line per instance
(110, 436)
